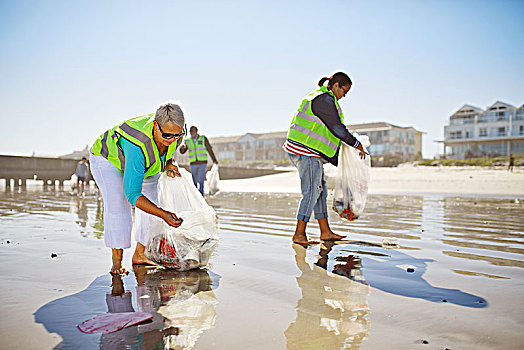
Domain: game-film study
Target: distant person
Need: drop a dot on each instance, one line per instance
(314, 139)
(82, 173)
(510, 163)
(145, 145)
(199, 147)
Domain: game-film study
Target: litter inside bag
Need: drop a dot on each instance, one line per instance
(351, 186)
(213, 179)
(190, 245)
(179, 252)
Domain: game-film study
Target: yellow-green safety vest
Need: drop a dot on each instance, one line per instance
(308, 130)
(138, 131)
(197, 150)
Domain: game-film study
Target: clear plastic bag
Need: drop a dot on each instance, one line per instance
(351, 184)
(190, 245)
(212, 179)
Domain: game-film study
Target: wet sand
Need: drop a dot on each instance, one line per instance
(262, 292)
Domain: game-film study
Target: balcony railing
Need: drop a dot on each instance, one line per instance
(461, 121)
(493, 118)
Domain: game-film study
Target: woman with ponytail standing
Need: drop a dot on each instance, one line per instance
(314, 138)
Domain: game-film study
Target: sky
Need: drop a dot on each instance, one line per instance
(69, 70)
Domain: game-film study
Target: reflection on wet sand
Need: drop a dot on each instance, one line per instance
(476, 247)
(491, 233)
(183, 306)
(98, 225)
(21, 203)
(492, 260)
(469, 273)
(387, 216)
(78, 206)
(186, 302)
(333, 311)
(87, 211)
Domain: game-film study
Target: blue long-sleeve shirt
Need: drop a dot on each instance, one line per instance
(134, 171)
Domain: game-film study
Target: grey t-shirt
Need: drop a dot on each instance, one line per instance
(82, 170)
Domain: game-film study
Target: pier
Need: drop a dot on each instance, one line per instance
(52, 170)
(20, 169)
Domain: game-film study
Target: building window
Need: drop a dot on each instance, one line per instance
(483, 132)
(502, 131)
(377, 149)
(455, 135)
(521, 130)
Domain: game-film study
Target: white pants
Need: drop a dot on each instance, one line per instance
(118, 217)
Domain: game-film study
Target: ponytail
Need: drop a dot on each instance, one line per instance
(322, 81)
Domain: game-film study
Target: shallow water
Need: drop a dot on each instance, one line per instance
(260, 291)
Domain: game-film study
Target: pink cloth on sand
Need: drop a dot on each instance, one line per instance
(112, 322)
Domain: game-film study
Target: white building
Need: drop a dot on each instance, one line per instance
(249, 147)
(388, 141)
(496, 131)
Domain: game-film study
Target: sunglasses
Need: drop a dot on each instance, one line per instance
(168, 136)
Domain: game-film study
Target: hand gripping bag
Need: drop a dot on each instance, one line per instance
(190, 245)
(352, 180)
(212, 180)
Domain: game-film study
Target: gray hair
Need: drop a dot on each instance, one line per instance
(170, 112)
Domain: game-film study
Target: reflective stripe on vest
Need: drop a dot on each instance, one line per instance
(198, 150)
(104, 152)
(145, 142)
(309, 130)
(136, 131)
(120, 153)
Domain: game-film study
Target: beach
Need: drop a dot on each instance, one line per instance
(403, 180)
(453, 280)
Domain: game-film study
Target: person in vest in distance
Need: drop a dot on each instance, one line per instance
(126, 162)
(82, 173)
(314, 138)
(198, 147)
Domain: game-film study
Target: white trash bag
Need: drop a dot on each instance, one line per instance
(212, 179)
(74, 182)
(351, 184)
(190, 245)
